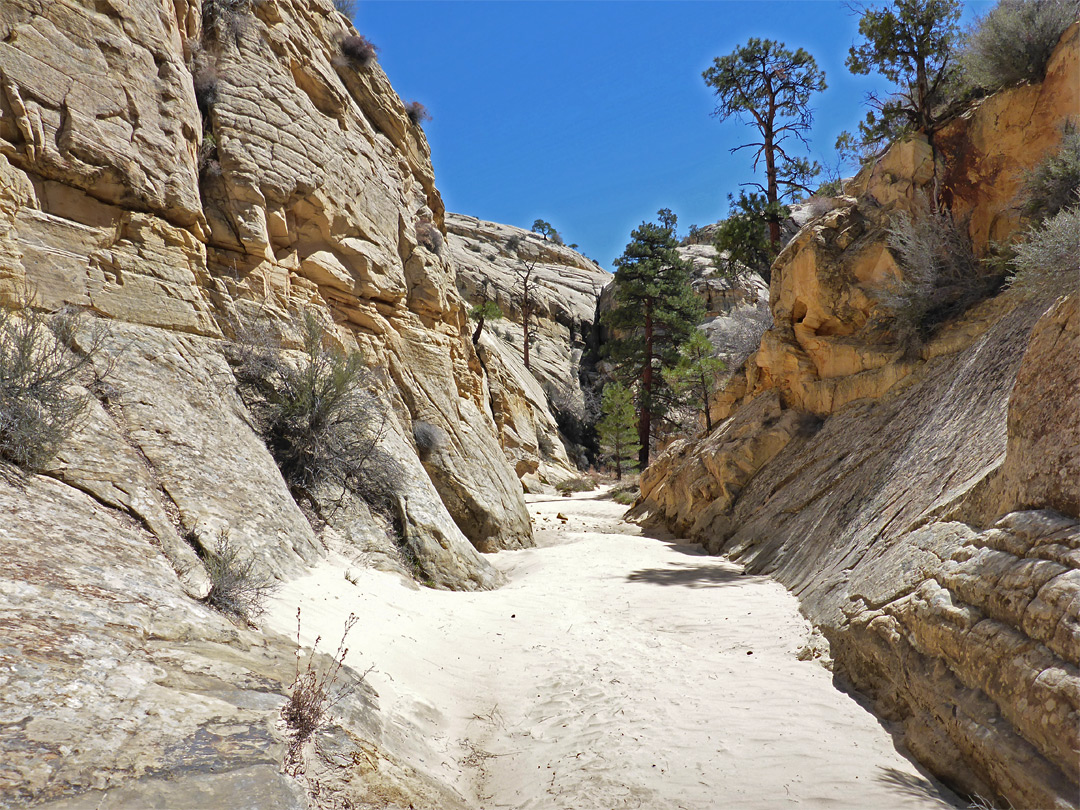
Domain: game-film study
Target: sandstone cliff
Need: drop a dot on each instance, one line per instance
(177, 171)
(528, 404)
(922, 502)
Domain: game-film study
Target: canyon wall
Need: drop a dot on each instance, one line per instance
(920, 499)
(534, 408)
(181, 173)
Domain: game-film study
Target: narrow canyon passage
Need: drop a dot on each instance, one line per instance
(611, 671)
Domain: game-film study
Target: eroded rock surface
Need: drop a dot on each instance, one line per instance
(921, 501)
(567, 287)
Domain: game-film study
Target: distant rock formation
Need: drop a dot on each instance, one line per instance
(922, 504)
(528, 403)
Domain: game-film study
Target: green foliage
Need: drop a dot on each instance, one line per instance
(1046, 261)
(486, 311)
(617, 427)
(742, 240)
(655, 310)
(694, 378)
(1013, 41)
(39, 408)
(769, 86)
(319, 421)
(910, 43)
(1054, 183)
(546, 230)
(238, 588)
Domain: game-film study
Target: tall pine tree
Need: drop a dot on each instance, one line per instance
(655, 311)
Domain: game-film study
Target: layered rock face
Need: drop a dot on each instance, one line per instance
(181, 171)
(566, 289)
(922, 504)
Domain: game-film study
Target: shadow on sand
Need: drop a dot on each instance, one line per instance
(690, 576)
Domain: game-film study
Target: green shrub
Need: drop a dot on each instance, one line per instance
(238, 587)
(625, 497)
(38, 367)
(1046, 262)
(317, 416)
(1053, 184)
(1013, 42)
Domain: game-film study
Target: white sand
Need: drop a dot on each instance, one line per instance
(613, 671)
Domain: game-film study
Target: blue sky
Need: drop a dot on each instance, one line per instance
(593, 114)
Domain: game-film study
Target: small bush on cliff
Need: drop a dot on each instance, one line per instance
(939, 271)
(428, 235)
(238, 587)
(1013, 42)
(1054, 183)
(318, 418)
(225, 19)
(346, 7)
(417, 113)
(358, 50)
(1046, 261)
(428, 438)
(39, 365)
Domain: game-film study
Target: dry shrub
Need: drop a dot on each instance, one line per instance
(941, 272)
(417, 113)
(1013, 42)
(39, 366)
(565, 488)
(1047, 262)
(346, 7)
(225, 19)
(429, 236)
(1053, 185)
(238, 587)
(360, 51)
(314, 693)
(317, 415)
(205, 82)
(428, 437)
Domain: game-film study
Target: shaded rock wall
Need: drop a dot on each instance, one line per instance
(922, 504)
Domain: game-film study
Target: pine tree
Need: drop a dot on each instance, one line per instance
(654, 313)
(770, 86)
(616, 428)
(693, 379)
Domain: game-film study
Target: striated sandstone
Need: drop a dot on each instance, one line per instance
(525, 403)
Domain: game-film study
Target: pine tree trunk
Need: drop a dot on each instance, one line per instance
(645, 420)
(479, 329)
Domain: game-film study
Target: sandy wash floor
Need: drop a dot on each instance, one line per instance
(612, 671)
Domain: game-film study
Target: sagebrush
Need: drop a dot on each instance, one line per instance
(1047, 261)
(1013, 42)
(1054, 183)
(238, 587)
(317, 414)
(575, 485)
(39, 368)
